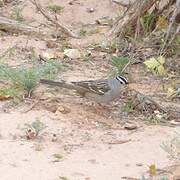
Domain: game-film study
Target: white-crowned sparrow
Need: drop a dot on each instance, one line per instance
(101, 91)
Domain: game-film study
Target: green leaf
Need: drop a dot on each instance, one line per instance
(119, 63)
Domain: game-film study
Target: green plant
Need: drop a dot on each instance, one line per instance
(17, 13)
(33, 129)
(172, 146)
(36, 125)
(94, 46)
(27, 78)
(147, 22)
(129, 106)
(55, 8)
(8, 92)
(57, 157)
(119, 64)
(82, 32)
(63, 178)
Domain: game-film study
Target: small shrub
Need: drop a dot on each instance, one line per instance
(55, 8)
(27, 78)
(172, 146)
(119, 64)
(17, 13)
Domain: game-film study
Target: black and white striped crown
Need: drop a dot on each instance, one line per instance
(122, 79)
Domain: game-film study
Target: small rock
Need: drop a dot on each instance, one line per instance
(47, 55)
(139, 164)
(130, 126)
(63, 110)
(54, 138)
(90, 10)
(72, 53)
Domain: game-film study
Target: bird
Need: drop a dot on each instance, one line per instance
(101, 90)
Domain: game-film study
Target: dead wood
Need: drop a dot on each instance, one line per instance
(169, 33)
(149, 107)
(137, 9)
(14, 26)
(145, 103)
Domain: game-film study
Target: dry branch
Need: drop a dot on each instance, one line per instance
(15, 26)
(169, 33)
(138, 8)
(172, 20)
(149, 107)
(61, 26)
(145, 103)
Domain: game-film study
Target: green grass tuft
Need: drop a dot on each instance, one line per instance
(27, 78)
(119, 64)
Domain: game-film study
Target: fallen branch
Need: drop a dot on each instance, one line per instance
(31, 107)
(61, 26)
(16, 27)
(146, 103)
(153, 109)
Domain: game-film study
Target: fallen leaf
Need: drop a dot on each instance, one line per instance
(162, 22)
(152, 170)
(170, 92)
(4, 97)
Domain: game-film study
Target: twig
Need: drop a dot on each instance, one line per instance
(31, 107)
(49, 18)
(119, 141)
(144, 99)
(126, 66)
(172, 21)
(174, 35)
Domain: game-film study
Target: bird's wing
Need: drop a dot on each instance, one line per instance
(96, 86)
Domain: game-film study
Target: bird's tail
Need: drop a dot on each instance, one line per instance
(63, 84)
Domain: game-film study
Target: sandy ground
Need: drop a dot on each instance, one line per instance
(87, 152)
(88, 145)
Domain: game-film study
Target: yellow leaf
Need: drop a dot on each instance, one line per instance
(162, 22)
(170, 91)
(156, 65)
(161, 60)
(160, 70)
(151, 63)
(4, 97)
(152, 170)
